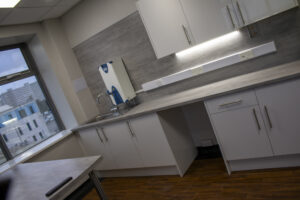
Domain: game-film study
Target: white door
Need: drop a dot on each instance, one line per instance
(93, 145)
(280, 105)
(209, 19)
(166, 26)
(151, 141)
(242, 133)
(122, 147)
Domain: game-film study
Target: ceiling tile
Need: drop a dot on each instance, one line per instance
(37, 3)
(25, 15)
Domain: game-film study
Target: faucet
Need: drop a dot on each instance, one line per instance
(114, 108)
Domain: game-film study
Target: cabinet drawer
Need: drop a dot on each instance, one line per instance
(232, 101)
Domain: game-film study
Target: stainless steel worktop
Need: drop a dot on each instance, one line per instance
(247, 81)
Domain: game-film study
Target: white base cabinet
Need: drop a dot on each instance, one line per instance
(93, 144)
(242, 133)
(281, 110)
(259, 123)
(140, 143)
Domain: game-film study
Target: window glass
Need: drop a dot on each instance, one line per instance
(12, 61)
(19, 99)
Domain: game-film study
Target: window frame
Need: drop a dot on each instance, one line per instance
(32, 71)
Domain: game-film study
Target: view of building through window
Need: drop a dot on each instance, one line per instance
(25, 116)
(2, 158)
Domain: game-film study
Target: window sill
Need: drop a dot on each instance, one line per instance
(35, 150)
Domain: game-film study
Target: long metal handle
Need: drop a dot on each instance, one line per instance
(256, 119)
(230, 16)
(231, 103)
(105, 137)
(187, 35)
(268, 116)
(240, 11)
(130, 129)
(97, 130)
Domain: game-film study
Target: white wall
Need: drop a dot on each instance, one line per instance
(64, 65)
(92, 16)
(52, 84)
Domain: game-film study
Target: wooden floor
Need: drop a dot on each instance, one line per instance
(207, 180)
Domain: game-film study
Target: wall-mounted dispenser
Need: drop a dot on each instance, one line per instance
(117, 81)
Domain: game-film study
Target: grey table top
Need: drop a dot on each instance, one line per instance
(247, 81)
(31, 181)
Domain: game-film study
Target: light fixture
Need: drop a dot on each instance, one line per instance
(8, 3)
(210, 44)
(9, 121)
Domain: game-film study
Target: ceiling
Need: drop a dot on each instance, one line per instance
(29, 11)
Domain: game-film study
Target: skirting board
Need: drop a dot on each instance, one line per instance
(210, 66)
(265, 163)
(154, 171)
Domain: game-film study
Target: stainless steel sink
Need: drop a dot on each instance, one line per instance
(106, 116)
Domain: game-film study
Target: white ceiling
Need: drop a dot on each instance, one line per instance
(29, 11)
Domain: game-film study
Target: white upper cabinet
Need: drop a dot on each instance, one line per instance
(250, 11)
(166, 25)
(279, 104)
(209, 19)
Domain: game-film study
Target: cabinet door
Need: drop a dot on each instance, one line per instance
(280, 105)
(151, 141)
(278, 6)
(251, 11)
(254, 10)
(94, 145)
(242, 133)
(166, 25)
(122, 147)
(208, 19)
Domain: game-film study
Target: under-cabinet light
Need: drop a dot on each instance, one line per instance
(209, 44)
(8, 3)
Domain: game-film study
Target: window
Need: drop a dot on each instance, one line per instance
(29, 127)
(31, 109)
(5, 138)
(2, 157)
(22, 113)
(20, 131)
(35, 124)
(23, 99)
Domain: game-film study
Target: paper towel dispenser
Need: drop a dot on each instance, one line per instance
(117, 81)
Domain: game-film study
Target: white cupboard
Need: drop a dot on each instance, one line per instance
(242, 133)
(166, 26)
(263, 122)
(151, 141)
(209, 18)
(175, 25)
(93, 145)
(280, 106)
(252, 11)
(123, 149)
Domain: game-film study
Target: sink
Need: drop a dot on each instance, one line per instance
(106, 116)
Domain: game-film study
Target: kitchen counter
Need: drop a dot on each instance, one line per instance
(235, 84)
